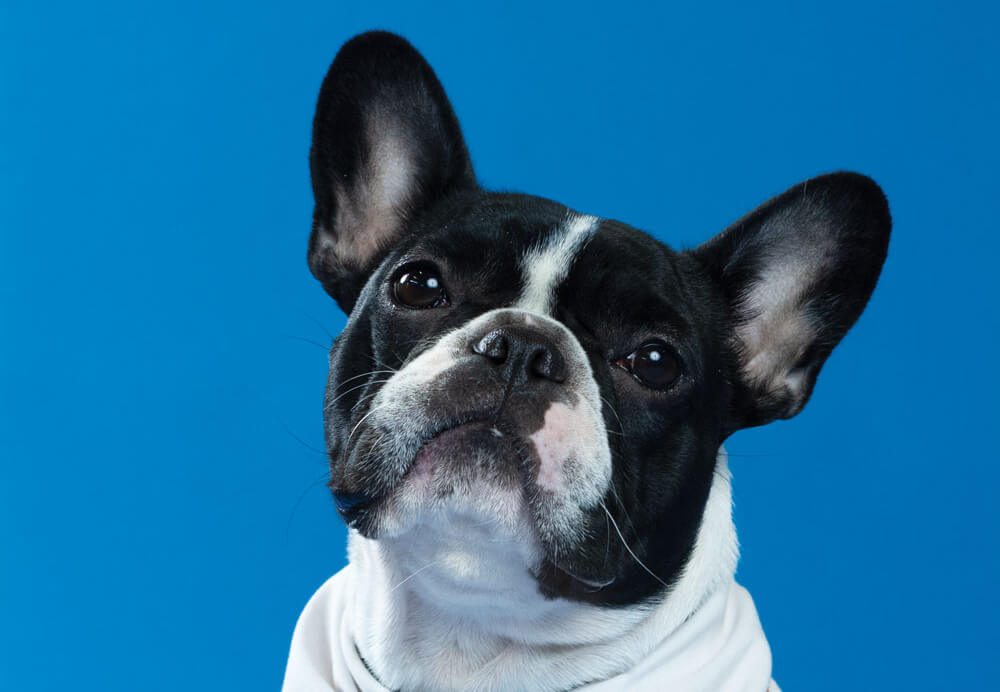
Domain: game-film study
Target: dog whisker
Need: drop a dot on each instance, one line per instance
(300, 440)
(625, 543)
(427, 566)
(365, 374)
(307, 340)
(371, 451)
(364, 399)
(354, 389)
(320, 325)
(363, 419)
(621, 427)
(621, 503)
(382, 364)
(291, 516)
(607, 542)
(592, 583)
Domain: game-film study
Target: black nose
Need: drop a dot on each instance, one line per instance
(521, 354)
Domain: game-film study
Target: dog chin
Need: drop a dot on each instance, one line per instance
(459, 521)
(473, 473)
(463, 511)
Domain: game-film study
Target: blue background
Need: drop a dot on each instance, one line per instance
(162, 511)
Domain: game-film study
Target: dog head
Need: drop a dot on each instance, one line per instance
(564, 379)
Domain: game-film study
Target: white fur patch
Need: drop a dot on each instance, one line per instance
(433, 615)
(427, 366)
(570, 434)
(547, 266)
(553, 443)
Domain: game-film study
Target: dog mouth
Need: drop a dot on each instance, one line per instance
(462, 441)
(460, 457)
(467, 449)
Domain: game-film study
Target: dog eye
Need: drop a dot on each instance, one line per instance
(419, 286)
(653, 364)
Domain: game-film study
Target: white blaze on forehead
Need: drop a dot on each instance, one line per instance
(547, 266)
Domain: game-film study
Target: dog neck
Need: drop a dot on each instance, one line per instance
(413, 630)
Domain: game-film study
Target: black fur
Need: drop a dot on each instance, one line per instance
(378, 76)
(846, 207)
(623, 289)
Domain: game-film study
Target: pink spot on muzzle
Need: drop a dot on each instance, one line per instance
(555, 442)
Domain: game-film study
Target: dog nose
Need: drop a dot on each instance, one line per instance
(521, 354)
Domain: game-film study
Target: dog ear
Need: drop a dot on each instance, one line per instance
(796, 274)
(386, 145)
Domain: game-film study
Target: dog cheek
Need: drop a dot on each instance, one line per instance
(556, 443)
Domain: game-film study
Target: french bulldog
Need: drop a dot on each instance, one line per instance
(526, 409)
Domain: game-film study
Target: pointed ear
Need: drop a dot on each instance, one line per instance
(796, 274)
(386, 145)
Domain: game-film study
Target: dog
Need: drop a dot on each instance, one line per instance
(526, 409)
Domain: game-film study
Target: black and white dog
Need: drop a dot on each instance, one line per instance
(525, 412)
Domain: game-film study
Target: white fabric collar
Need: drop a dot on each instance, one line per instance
(719, 648)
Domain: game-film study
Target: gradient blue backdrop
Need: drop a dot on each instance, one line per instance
(162, 511)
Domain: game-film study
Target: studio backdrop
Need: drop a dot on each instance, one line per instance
(163, 509)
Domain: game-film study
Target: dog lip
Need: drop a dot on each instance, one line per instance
(352, 506)
(455, 425)
(488, 423)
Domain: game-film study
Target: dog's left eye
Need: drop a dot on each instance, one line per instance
(653, 364)
(419, 286)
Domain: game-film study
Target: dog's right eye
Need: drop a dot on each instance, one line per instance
(419, 286)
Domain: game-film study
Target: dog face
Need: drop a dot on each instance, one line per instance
(566, 379)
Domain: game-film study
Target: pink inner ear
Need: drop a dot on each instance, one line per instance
(779, 332)
(372, 208)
